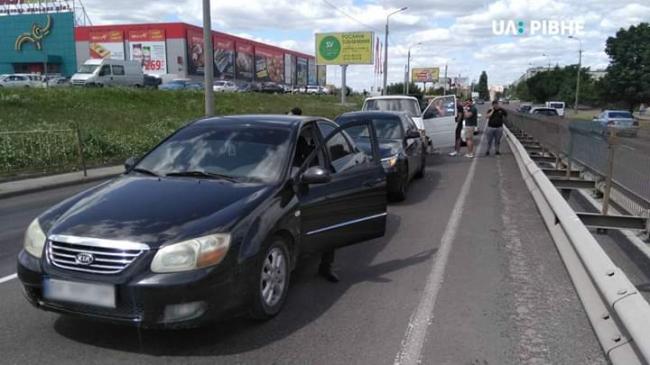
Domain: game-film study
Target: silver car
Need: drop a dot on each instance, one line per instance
(621, 120)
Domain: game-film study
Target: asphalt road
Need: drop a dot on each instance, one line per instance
(466, 274)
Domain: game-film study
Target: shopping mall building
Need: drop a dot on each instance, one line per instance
(32, 42)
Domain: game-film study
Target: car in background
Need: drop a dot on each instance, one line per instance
(152, 81)
(109, 72)
(208, 224)
(314, 90)
(244, 88)
(271, 88)
(549, 112)
(525, 108)
(223, 86)
(397, 103)
(56, 81)
(622, 121)
(15, 80)
(402, 151)
(181, 84)
(559, 106)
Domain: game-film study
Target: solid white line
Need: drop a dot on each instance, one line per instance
(416, 332)
(7, 278)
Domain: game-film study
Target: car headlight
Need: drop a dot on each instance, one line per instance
(34, 239)
(191, 254)
(389, 162)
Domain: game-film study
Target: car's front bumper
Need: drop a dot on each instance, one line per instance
(169, 300)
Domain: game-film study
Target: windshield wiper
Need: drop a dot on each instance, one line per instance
(204, 174)
(144, 171)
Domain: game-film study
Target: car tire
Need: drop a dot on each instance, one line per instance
(421, 171)
(400, 193)
(272, 273)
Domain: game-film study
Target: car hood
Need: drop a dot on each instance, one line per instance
(81, 77)
(155, 211)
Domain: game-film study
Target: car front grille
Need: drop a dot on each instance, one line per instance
(92, 255)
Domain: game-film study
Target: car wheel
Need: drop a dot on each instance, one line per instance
(421, 171)
(272, 280)
(400, 193)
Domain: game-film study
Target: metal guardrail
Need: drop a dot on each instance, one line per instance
(618, 313)
(40, 150)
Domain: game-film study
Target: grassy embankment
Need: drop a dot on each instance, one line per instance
(117, 123)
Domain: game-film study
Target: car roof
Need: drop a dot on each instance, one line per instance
(373, 113)
(404, 97)
(278, 120)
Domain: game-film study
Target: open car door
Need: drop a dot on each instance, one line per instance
(350, 206)
(439, 120)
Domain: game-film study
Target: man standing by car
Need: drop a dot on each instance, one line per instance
(459, 127)
(471, 122)
(496, 116)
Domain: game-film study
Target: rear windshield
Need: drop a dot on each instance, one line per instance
(385, 127)
(411, 107)
(620, 115)
(557, 105)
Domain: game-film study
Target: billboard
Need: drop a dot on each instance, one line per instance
(244, 61)
(107, 44)
(224, 57)
(311, 72)
(427, 74)
(195, 55)
(269, 65)
(351, 48)
(301, 71)
(289, 69)
(148, 47)
(321, 71)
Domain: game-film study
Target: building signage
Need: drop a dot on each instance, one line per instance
(428, 74)
(345, 48)
(18, 7)
(107, 44)
(35, 36)
(148, 47)
(224, 57)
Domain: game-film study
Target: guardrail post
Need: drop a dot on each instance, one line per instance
(569, 153)
(612, 140)
(80, 150)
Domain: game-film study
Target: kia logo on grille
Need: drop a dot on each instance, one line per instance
(84, 258)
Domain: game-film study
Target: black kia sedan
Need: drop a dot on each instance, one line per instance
(402, 151)
(208, 224)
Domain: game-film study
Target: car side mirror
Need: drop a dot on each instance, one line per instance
(412, 134)
(130, 163)
(316, 175)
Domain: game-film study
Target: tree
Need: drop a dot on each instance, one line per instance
(483, 91)
(628, 74)
(398, 89)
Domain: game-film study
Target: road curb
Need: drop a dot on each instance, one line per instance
(53, 185)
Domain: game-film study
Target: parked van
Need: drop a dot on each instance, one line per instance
(557, 105)
(107, 72)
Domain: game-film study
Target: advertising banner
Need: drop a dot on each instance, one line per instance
(321, 70)
(196, 61)
(244, 60)
(224, 57)
(428, 74)
(351, 48)
(301, 71)
(312, 77)
(107, 44)
(148, 47)
(269, 65)
(289, 69)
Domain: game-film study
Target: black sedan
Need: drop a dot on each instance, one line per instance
(402, 151)
(208, 224)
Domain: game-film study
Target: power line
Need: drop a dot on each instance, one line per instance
(349, 16)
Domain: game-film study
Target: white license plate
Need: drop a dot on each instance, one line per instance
(101, 295)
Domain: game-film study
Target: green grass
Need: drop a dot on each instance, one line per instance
(117, 123)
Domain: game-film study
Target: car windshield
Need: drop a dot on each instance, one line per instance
(87, 69)
(557, 105)
(220, 83)
(243, 152)
(620, 115)
(411, 107)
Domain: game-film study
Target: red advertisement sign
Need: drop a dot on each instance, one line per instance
(269, 65)
(107, 44)
(224, 57)
(245, 61)
(148, 47)
(195, 51)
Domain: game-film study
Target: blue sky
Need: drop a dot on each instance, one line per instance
(457, 33)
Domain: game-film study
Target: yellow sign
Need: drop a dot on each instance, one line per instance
(352, 48)
(428, 74)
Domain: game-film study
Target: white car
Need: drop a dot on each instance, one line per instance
(314, 90)
(396, 103)
(222, 86)
(15, 80)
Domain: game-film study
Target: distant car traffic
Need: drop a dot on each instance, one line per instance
(208, 224)
(271, 88)
(402, 151)
(15, 80)
(549, 112)
(109, 72)
(524, 108)
(620, 120)
(224, 86)
(559, 106)
(181, 84)
(314, 90)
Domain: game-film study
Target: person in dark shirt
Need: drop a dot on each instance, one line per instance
(496, 117)
(459, 127)
(471, 122)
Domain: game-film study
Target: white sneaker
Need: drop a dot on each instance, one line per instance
(453, 153)
(469, 155)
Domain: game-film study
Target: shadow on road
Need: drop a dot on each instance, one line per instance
(309, 298)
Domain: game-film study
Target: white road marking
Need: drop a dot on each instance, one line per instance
(416, 332)
(8, 278)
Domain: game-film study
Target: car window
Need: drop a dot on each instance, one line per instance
(626, 115)
(340, 152)
(305, 145)
(105, 70)
(410, 106)
(118, 70)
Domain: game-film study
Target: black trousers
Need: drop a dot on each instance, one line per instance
(327, 259)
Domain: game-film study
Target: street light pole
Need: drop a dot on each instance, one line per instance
(208, 60)
(383, 90)
(575, 106)
(408, 68)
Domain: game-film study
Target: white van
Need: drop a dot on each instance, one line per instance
(107, 72)
(557, 105)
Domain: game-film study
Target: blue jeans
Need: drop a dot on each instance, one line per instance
(494, 136)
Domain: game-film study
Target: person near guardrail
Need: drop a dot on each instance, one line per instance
(471, 122)
(496, 117)
(459, 128)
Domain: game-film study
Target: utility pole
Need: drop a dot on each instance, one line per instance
(408, 68)
(208, 60)
(446, 82)
(383, 90)
(575, 106)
